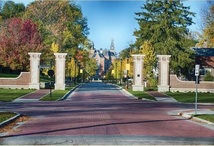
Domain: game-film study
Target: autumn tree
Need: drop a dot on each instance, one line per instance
(110, 73)
(207, 36)
(164, 23)
(17, 38)
(72, 68)
(149, 61)
(116, 66)
(61, 22)
(91, 66)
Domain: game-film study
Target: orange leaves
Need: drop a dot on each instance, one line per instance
(17, 39)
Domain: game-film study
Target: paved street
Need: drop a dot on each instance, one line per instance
(98, 113)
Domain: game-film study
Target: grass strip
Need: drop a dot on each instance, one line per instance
(3, 75)
(207, 117)
(141, 94)
(5, 116)
(190, 97)
(56, 94)
(8, 95)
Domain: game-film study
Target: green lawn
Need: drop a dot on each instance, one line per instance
(5, 116)
(11, 94)
(42, 78)
(141, 94)
(2, 75)
(45, 79)
(190, 97)
(56, 94)
(206, 117)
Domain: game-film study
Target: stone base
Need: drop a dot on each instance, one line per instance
(34, 86)
(162, 88)
(14, 86)
(59, 86)
(137, 87)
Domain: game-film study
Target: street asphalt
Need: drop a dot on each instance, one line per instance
(101, 114)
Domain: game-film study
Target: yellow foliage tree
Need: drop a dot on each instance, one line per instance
(55, 47)
(71, 68)
(149, 61)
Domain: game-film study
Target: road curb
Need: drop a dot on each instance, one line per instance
(68, 93)
(8, 121)
(191, 117)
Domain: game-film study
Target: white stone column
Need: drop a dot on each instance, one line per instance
(34, 70)
(60, 71)
(138, 84)
(163, 62)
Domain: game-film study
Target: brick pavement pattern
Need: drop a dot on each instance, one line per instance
(97, 109)
(37, 94)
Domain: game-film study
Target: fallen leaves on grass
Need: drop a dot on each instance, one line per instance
(10, 126)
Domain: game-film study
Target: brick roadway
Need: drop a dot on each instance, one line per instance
(102, 110)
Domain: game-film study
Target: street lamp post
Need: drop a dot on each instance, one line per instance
(75, 81)
(78, 63)
(127, 76)
(120, 72)
(116, 71)
(69, 70)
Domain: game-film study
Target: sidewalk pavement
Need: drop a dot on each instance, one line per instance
(189, 114)
(33, 97)
(161, 97)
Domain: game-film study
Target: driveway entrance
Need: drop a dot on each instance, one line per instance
(98, 113)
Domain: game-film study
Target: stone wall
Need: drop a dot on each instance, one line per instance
(186, 86)
(22, 81)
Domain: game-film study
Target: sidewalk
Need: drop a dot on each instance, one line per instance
(161, 97)
(33, 97)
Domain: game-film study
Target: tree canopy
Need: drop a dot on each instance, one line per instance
(207, 37)
(58, 26)
(149, 61)
(164, 23)
(59, 21)
(17, 38)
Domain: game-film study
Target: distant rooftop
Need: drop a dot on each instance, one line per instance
(204, 51)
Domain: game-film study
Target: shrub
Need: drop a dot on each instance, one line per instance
(208, 76)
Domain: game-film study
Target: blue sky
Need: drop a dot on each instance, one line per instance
(109, 20)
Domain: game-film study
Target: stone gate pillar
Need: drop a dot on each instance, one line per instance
(60, 71)
(34, 70)
(163, 79)
(138, 84)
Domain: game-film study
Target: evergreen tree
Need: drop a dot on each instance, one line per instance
(164, 23)
(11, 9)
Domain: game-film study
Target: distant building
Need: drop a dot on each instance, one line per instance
(104, 59)
(205, 58)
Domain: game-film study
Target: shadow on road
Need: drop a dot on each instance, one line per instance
(98, 86)
(92, 126)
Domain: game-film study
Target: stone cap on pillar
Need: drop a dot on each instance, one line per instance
(60, 55)
(138, 56)
(34, 54)
(163, 58)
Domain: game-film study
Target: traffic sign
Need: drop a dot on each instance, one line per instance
(197, 70)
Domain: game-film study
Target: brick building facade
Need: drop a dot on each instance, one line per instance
(104, 59)
(205, 58)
